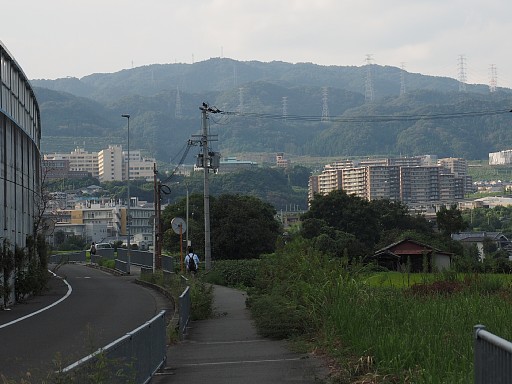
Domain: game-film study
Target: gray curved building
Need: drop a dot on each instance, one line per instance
(20, 157)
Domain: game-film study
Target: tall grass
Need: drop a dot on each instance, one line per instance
(422, 338)
(403, 329)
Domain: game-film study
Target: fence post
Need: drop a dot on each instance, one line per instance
(478, 362)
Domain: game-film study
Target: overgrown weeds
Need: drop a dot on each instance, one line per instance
(419, 331)
(233, 273)
(201, 293)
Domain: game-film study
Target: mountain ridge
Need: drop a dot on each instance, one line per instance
(163, 100)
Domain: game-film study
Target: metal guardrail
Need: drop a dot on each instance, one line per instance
(167, 263)
(492, 358)
(71, 257)
(141, 258)
(146, 271)
(107, 253)
(144, 259)
(120, 265)
(185, 307)
(95, 259)
(133, 358)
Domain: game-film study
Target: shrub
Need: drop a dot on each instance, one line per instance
(201, 296)
(278, 317)
(234, 273)
(289, 290)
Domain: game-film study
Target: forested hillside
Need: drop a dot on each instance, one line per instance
(279, 108)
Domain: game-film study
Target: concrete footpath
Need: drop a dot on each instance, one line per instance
(227, 349)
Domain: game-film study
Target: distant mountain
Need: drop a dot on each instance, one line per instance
(282, 104)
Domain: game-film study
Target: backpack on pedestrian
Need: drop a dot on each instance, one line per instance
(191, 263)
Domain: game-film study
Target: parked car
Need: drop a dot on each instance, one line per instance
(103, 245)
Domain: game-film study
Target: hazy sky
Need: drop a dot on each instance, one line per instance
(58, 38)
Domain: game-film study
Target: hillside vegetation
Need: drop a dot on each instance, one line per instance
(281, 105)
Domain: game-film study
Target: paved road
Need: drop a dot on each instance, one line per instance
(99, 309)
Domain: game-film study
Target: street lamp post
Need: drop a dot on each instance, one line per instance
(128, 216)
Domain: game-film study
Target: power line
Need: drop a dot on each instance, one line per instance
(374, 118)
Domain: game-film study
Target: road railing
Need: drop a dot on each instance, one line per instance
(70, 257)
(492, 358)
(133, 358)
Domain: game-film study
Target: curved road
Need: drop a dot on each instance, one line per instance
(99, 309)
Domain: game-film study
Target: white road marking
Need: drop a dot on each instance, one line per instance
(42, 309)
(229, 342)
(241, 362)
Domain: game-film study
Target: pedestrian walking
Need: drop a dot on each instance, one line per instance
(191, 261)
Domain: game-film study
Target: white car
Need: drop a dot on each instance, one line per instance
(103, 245)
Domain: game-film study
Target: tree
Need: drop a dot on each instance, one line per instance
(347, 213)
(243, 227)
(298, 175)
(450, 220)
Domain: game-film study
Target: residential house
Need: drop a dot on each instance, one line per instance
(478, 238)
(397, 257)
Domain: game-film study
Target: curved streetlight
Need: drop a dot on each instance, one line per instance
(128, 216)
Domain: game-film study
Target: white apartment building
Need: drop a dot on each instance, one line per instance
(501, 157)
(109, 164)
(354, 181)
(141, 168)
(79, 160)
(107, 220)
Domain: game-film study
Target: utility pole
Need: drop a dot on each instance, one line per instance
(128, 214)
(157, 244)
(209, 160)
(206, 194)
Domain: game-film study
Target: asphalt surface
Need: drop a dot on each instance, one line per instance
(99, 309)
(227, 349)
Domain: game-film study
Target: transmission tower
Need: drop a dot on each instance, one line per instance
(284, 101)
(402, 79)
(368, 91)
(177, 110)
(240, 100)
(462, 73)
(325, 104)
(493, 82)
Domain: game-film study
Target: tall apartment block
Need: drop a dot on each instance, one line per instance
(413, 180)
